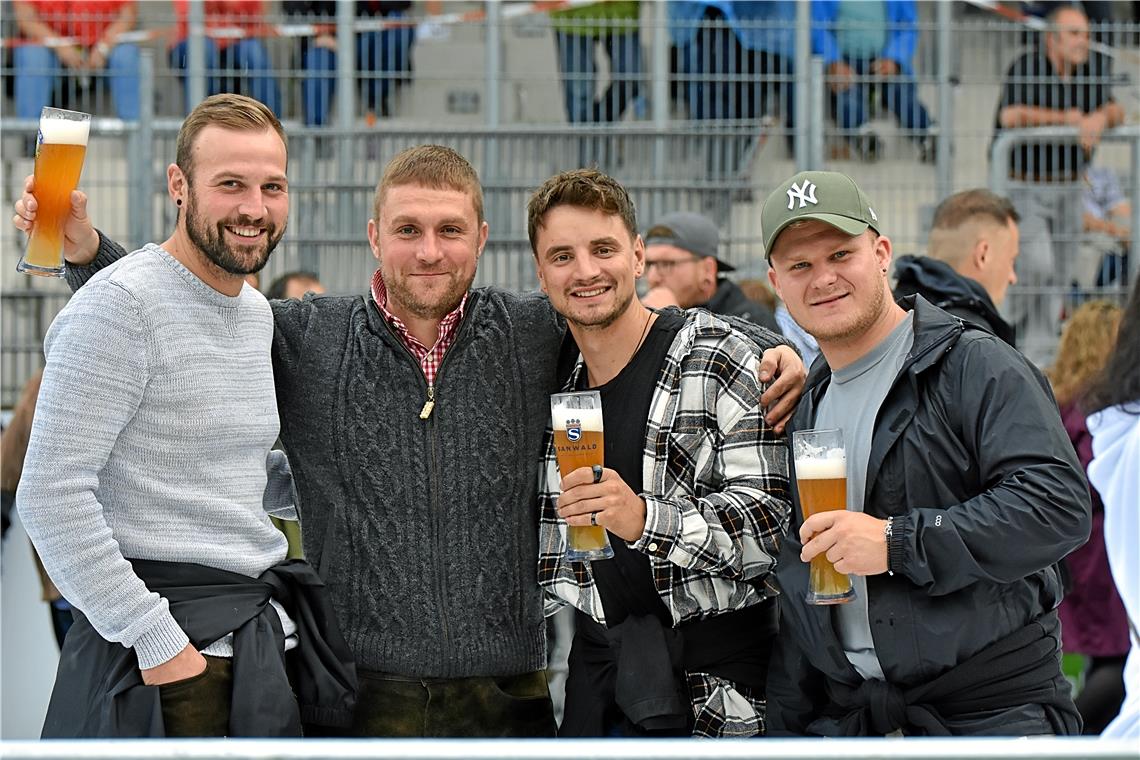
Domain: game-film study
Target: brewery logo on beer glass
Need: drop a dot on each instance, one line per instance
(579, 442)
(60, 148)
(821, 478)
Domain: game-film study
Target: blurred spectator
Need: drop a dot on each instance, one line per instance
(1107, 215)
(383, 57)
(871, 43)
(737, 59)
(969, 260)
(804, 341)
(94, 25)
(247, 57)
(13, 447)
(294, 285)
(1093, 621)
(578, 31)
(1057, 83)
(1114, 401)
(680, 254)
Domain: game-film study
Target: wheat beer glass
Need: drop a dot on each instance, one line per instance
(821, 476)
(578, 442)
(60, 148)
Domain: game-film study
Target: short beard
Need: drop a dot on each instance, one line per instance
(603, 321)
(862, 321)
(210, 241)
(447, 302)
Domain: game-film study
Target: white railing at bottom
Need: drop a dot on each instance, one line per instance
(1037, 748)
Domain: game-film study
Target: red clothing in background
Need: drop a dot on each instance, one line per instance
(85, 20)
(244, 14)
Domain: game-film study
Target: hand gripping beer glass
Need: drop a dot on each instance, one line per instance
(821, 476)
(60, 148)
(579, 442)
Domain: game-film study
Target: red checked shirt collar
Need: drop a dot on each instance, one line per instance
(429, 358)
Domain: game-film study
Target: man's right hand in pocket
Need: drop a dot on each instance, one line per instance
(186, 664)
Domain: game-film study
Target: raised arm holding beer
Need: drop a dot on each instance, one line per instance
(962, 493)
(145, 494)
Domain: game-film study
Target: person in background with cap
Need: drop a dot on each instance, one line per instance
(682, 268)
(963, 493)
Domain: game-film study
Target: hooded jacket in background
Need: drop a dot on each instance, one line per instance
(937, 282)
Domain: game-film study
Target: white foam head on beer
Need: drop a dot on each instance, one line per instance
(830, 465)
(65, 131)
(588, 419)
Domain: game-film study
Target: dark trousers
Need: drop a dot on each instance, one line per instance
(199, 706)
(506, 706)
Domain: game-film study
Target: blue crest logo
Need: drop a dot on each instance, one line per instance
(573, 430)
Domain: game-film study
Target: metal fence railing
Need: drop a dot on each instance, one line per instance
(690, 104)
(1035, 748)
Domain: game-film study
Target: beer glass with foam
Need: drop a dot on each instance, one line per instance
(821, 477)
(60, 148)
(578, 442)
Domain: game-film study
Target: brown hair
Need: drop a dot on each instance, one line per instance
(1085, 347)
(960, 208)
(228, 111)
(584, 188)
(434, 166)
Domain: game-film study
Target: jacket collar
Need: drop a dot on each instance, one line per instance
(935, 332)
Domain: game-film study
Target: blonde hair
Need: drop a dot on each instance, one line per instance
(1086, 344)
(228, 111)
(434, 166)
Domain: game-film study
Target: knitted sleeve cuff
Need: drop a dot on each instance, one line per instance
(159, 644)
(109, 252)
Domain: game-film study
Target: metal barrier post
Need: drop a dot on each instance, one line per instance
(1134, 243)
(817, 116)
(802, 83)
(944, 165)
(345, 65)
(492, 66)
(141, 164)
(345, 100)
(196, 53)
(660, 67)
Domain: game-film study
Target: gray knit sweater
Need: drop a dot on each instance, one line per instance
(435, 522)
(154, 422)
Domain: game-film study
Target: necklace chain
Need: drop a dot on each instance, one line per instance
(644, 332)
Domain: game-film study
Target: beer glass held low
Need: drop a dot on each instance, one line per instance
(60, 149)
(821, 478)
(579, 442)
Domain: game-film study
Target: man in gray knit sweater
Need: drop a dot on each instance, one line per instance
(413, 417)
(149, 451)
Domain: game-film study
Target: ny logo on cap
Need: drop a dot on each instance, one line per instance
(805, 193)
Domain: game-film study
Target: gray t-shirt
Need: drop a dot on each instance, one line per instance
(851, 403)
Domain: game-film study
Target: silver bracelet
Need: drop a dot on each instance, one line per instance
(887, 532)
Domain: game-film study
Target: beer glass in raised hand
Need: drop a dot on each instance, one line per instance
(60, 148)
(821, 477)
(579, 442)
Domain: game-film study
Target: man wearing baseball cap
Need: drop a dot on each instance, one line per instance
(962, 495)
(681, 256)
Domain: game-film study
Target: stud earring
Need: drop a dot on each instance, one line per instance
(178, 202)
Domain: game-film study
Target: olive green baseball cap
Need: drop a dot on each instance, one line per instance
(829, 197)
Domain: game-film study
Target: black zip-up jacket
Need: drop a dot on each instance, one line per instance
(970, 458)
(937, 282)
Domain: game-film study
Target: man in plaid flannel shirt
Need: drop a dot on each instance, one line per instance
(673, 633)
